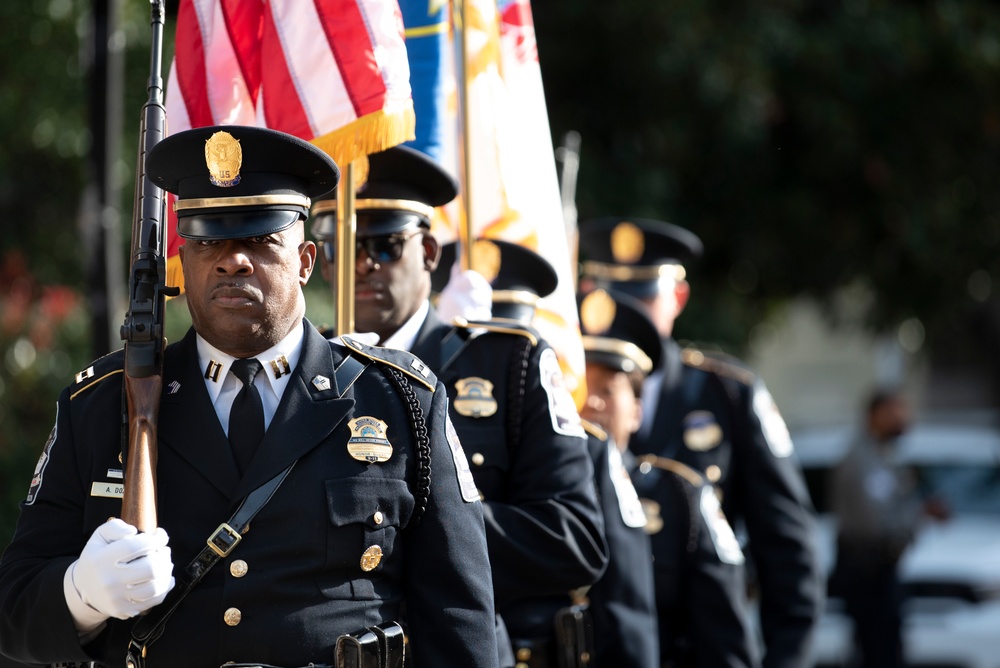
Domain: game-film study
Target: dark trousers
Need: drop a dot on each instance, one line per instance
(873, 599)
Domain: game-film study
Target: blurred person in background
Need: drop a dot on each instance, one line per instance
(715, 416)
(674, 591)
(878, 508)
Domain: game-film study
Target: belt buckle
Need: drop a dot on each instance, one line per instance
(224, 539)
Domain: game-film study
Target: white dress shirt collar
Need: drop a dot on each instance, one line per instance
(278, 363)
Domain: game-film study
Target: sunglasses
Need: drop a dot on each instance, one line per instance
(388, 248)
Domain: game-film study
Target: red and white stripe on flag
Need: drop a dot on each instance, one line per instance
(333, 72)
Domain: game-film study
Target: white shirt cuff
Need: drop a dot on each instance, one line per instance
(88, 621)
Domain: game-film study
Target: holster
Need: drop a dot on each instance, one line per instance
(573, 645)
(574, 637)
(378, 646)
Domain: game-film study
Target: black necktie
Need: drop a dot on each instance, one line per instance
(246, 417)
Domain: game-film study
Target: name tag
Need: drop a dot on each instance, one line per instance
(108, 489)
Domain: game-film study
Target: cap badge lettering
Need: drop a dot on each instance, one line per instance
(368, 442)
(486, 259)
(224, 157)
(597, 312)
(701, 431)
(627, 243)
(475, 397)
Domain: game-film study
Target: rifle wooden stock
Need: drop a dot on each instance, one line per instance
(143, 331)
(139, 501)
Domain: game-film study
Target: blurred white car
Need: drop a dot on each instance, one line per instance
(951, 573)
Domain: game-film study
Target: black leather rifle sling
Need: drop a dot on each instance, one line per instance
(222, 541)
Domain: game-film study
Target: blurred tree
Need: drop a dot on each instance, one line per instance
(813, 144)
(46, 54)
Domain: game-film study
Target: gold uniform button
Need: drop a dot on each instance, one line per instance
(232, 616)
(238, 568)
(524, 654)
(478, 459)
(713, 473)
(378, 517)
(371, 558)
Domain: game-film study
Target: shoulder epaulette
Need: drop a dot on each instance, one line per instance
(400, 360)
(674, 467)
(500, 326)
(593, 429)
(99, 370)
(723, 367)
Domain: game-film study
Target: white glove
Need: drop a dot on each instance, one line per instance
(467, 295)
(120, 573)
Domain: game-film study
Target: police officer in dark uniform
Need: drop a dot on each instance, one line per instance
(621, 348)
(699, 585)
(516, 420)
(377, 508)
(716, 417)
(622, 630)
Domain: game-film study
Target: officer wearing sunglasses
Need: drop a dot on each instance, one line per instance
(514, 416)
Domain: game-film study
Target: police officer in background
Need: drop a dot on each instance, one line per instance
(699, 615)
(621, 348)
(508, 402)
(613, 623)
(716, 417)
(357, 528)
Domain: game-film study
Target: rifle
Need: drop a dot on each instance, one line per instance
(143, 330)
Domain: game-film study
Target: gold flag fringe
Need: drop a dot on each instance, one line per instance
(369, 134)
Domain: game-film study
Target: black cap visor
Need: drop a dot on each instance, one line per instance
(237, 225)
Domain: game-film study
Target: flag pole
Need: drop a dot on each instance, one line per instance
(346, 233)
(569, 156)
(465, 224)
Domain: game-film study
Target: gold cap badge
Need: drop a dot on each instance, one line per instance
(597, 312)
(627, 243)
(224, 157)
(486, 259)
(475, 397)
(368, 442)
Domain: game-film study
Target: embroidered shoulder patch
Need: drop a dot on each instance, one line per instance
(465, 480)
(772, 424)
(628, 499)
(726, 545)
(43, 460)
(562, 408)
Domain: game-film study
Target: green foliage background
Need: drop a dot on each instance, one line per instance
(812, 144)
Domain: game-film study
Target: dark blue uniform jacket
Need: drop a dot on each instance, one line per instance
(718, 418)
(543, 523)
(304, 585)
